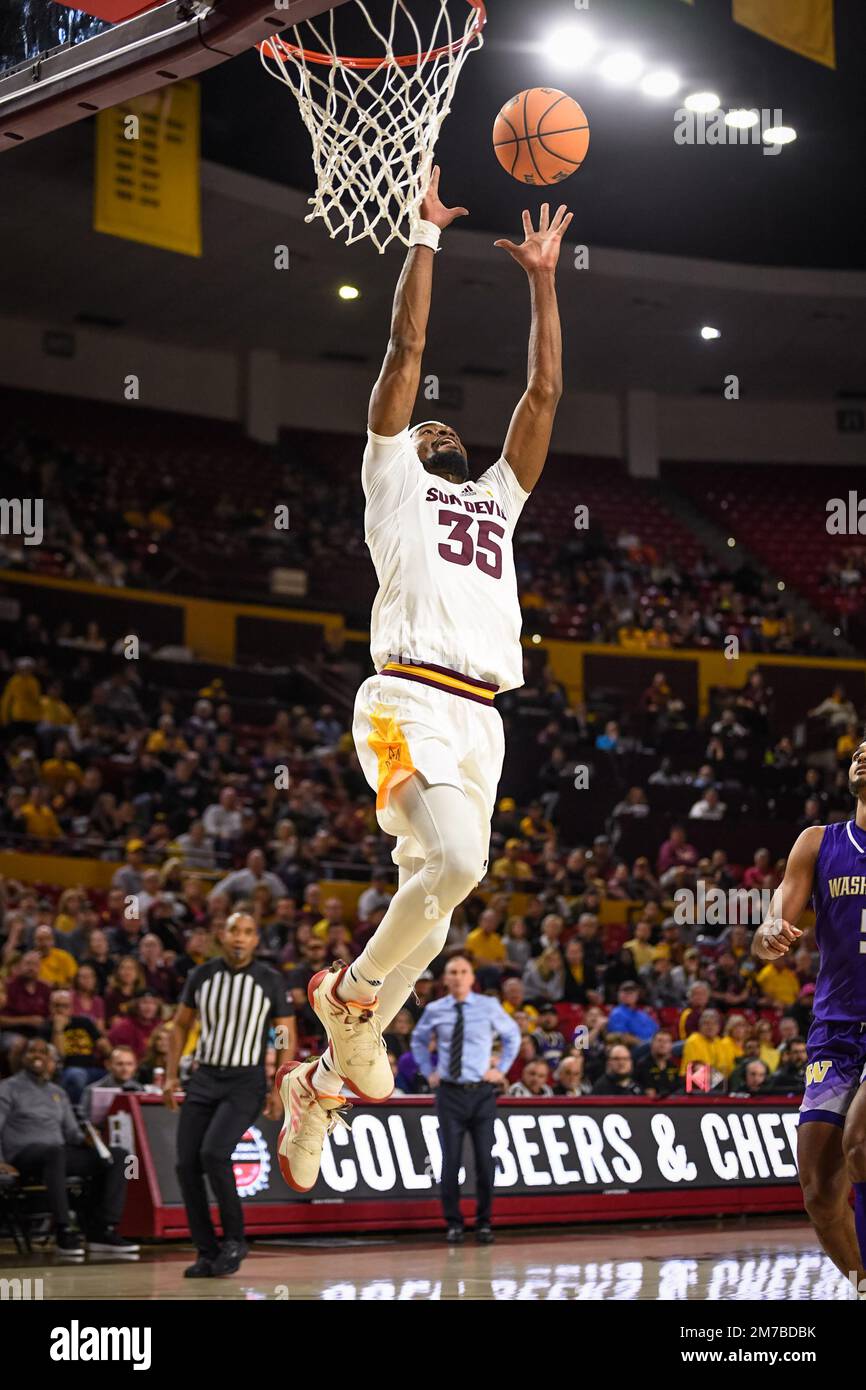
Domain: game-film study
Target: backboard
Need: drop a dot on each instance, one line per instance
(59, 65)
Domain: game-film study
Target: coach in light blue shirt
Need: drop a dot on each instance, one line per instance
(466, 1027)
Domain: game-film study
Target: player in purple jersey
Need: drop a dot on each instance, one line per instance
(828, 865)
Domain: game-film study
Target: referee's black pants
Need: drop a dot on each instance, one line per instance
(466, 1110)
(220, 1105)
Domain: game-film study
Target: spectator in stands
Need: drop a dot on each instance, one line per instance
(629, 1022)
(155, 1055)
(56, 966)
(789, 1078)
(534, 1080)
(125, 984)
(128, 877)
(676, 852)
(734, 1034)
(836, 710)
(86, 999)
(21, 701)
(517, 948)
(579, 985)
(588, 933)
(704, 1046)
(640, 947)
(80, 1044)
(377, 895)
(98, 955)
(28, 999)
(755, 1079)
(196, 848)
(659, 986)
(38, 816)
(119, 1075)
(41, 1139)
(709, 807)
(728, 987)
(544, 977)
(658, 1073)
(768, 1053)
(548, 1036)
(134, 1027)
(158, 977)
(514, 1001)
(243, 882)
(125, 938)
(398, 1038)
(222, 820)
(777, 984)
(485, 944)
(510, 868)
(618, 1077)
(699, 998)
(569, 1078)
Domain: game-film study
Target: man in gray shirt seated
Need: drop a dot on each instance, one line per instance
(119, 1075)
(41, 1140)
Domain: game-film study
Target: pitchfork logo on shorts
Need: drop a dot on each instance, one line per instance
(251, 1163)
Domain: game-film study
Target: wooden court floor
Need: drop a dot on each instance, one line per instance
(776, 1259)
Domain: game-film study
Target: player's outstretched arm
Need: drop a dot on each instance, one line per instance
(393, 397)
(778, 933)
(532, 423)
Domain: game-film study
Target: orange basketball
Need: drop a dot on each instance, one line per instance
(541, 136)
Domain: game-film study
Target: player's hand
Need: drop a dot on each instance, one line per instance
(433, 209)
(778, 938)
(540, 250)
(169, 1086)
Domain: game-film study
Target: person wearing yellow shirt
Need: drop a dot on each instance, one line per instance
(54, 712)
(778, 984)
(485, 943)
(165, 738)
(514, 1004)
(21, 701)
(39, 817)
(706, 1045)
(642, 951)
(732, 1041)
(510, 866)
(769, 1055)
(60, 769)
(56, 966)
(846, 743)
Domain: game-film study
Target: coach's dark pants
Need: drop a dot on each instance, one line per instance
(221, 1103)
(466, 1110)
(104, 1192)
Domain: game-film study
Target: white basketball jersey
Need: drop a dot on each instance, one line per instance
(443, 555)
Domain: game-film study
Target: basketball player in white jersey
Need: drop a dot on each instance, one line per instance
(445, 639)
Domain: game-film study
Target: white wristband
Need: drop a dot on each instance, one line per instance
(425, 234)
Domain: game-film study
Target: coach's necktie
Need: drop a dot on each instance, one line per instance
(455, 1058)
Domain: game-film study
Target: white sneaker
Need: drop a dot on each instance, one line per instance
(309, 1119)
(358, 1052)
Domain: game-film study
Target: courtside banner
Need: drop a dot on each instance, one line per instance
(552, 1156)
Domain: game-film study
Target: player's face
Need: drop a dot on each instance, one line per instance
(857, 772)
(441, 451)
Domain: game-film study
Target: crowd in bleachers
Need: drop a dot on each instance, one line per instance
(182, 792)
(153, 515)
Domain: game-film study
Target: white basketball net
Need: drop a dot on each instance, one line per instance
(374, 129)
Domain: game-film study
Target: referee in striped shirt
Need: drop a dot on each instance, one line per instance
(237, 999)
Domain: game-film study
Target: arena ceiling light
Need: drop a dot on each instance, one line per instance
(742, 118)
(349, 292)
(662, 82)
(702, 101)
(570, 46)
(621, 67)
(779, 135)
(708, 333)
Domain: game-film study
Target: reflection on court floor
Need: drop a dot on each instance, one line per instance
(718, 1262)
